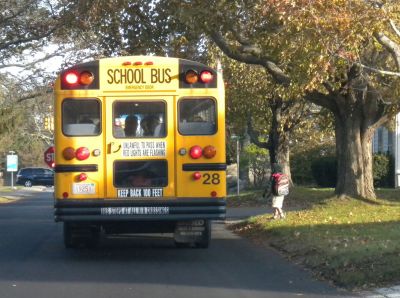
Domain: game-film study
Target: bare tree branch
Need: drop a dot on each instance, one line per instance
(279, 76)
(380, 71)
(391, 46)
(394, 27)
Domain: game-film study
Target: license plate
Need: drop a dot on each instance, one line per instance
(83, 188)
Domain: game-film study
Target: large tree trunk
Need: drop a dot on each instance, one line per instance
(278, 141)
(279, 134)
(354, 157)
(358, 111)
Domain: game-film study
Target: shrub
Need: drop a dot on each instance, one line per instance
(301, 161)
(257, 160)
(324, 170)
(383, 170)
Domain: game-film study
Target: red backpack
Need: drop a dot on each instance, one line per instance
(280, 184)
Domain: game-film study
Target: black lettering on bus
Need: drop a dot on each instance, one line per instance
(139, 76)
(160, 75)
(117, 80)
(153, 75)
(110, 75)
(167, 75)
(129, 76)
(123, 76)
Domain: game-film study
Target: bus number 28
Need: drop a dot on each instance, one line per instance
(211, 178)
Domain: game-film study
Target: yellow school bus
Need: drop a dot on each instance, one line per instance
(139, 147)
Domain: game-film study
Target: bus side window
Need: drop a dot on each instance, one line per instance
(197, 116)
(81, 117)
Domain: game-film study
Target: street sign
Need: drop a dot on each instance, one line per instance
(12, 163)
(49, 157)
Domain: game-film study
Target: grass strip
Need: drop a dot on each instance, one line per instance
(4, 200)
(354, 243)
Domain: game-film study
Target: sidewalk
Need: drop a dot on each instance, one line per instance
(236, 214)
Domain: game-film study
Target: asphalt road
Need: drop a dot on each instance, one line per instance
(34, 263)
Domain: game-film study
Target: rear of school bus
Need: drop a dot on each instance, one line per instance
(140, 147)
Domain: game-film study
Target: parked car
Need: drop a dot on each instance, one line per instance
(35, 176)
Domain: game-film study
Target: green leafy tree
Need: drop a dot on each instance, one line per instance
(342, 55)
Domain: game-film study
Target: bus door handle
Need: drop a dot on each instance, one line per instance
(110, 148)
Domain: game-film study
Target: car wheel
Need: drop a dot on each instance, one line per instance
(28, 183)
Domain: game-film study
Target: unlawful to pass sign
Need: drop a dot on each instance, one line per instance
(12, 163)
(144, 149)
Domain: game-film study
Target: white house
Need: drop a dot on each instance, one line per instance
(389, 142)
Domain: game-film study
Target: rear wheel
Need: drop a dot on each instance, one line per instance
(28, 183)
(204, 241)
(81, 235)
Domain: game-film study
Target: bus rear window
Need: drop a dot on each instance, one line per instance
(197, 116)
(148, 173)
(139, 119)
(81, 117)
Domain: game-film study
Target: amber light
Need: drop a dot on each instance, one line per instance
(86, 78)
(82, 177)
(209, 151)
(191, 77)
(69, 153)
(82, 153)
(71, 78)
(206, 76)
(196, 175)
(196, 152)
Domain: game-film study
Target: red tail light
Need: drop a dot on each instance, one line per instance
(196, 152)
(71, 78)
(196, 175)
(82, 153)
(206, 76)
(209, 151)
(213, 193)
(82, 177)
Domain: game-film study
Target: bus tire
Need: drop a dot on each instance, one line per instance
(204, 241)
(93, 238)
(69, 241)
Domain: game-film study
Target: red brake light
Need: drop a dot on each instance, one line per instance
(196, 175)
(82, 177)
(206, 76)
(82, 153)
(196, 152)
(209, 151)
(71, 78)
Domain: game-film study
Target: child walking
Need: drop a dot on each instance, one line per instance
(278, 187)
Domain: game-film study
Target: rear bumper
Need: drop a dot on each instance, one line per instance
(117, 210)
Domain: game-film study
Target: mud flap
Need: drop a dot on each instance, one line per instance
(196, 232)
